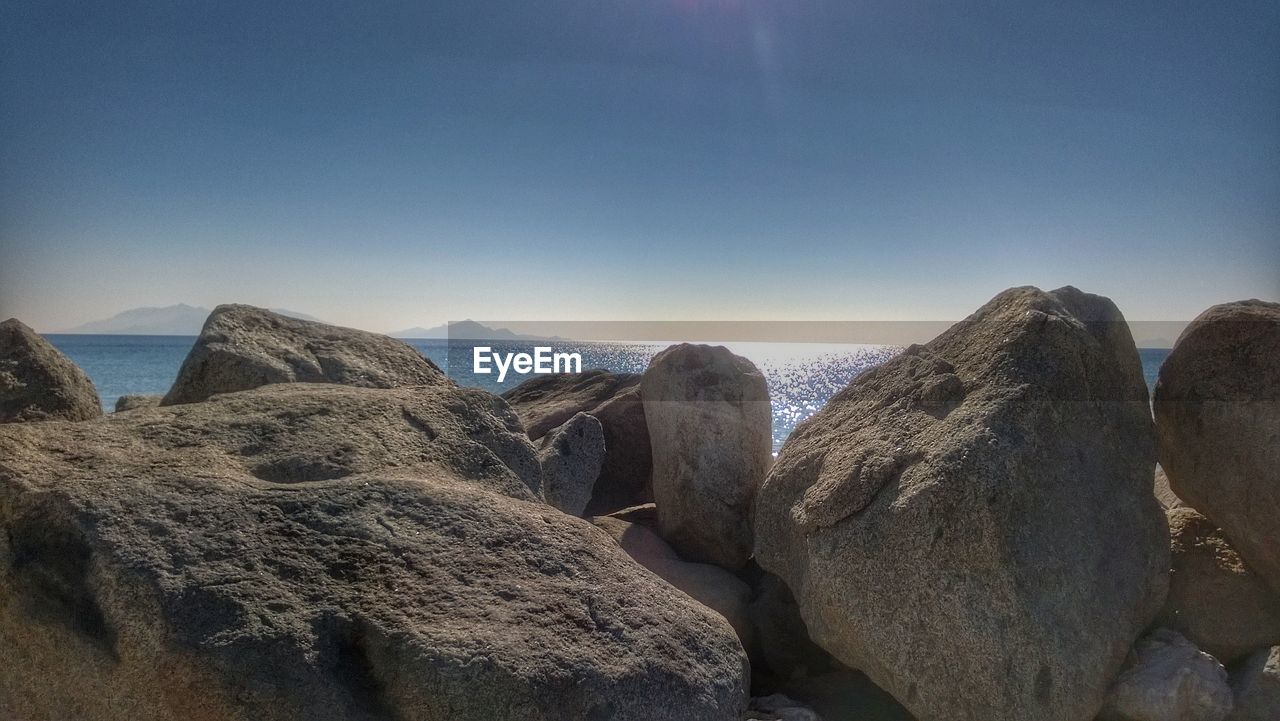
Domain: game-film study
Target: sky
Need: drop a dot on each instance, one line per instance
(385, 165)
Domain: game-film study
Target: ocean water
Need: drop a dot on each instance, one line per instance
(801, 376)
(122, 364)
(1151, 360)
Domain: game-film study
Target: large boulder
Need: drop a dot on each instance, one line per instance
(710, 426)
(545, 402)
(1169, 679)
(243, 347)
(1256, 684)
(972, 522)
(1217, 409)
(626, 473)
(712, 586)
(1215, 600)
(39, 383)
(308, 552)
(570, 455)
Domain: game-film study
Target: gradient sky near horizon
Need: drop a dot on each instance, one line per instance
(385, 165)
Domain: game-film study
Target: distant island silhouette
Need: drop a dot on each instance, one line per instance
(178, 319)
(468, 330)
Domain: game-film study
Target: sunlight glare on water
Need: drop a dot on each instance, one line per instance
(801, 376)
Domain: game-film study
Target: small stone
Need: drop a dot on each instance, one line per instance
(1168, 679)
(571, 455)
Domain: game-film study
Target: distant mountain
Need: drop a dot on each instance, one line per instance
(466, 330)
(180, 319)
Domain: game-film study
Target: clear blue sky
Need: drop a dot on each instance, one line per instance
(385, 165)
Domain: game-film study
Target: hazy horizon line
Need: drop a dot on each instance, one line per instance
(1148, 334)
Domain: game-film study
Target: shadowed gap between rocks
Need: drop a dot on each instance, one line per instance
(52, 561)
(356, 671)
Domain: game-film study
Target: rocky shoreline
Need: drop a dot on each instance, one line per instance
(317, 523)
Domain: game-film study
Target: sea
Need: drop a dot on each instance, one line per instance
(802, 377)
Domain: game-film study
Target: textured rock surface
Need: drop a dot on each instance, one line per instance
(626, 475)
(1256, 684)
(1169, 679)
(544, 402)
(711, 586)
(292, 433)
(1215, 600)
(219, 561)
(710, 426)
(1217, 408)
(39, 383)
(243, 347)
(972, 523)
(1164, 494)
(570, 455)
(134, 401)
(645, 514)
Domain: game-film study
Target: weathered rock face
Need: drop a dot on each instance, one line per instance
(1215, 600)
(1257, 687)
(972, 523)
(1217, 408)
(710, 426)
(39, 383)
(626, 474)
(243, 347)
(218, 561)
(570, 457)
(1169, 679)
(1164, 494)
(544, 402)
(713, 587)
(134, 401)
(645, 514)
(294, 433)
